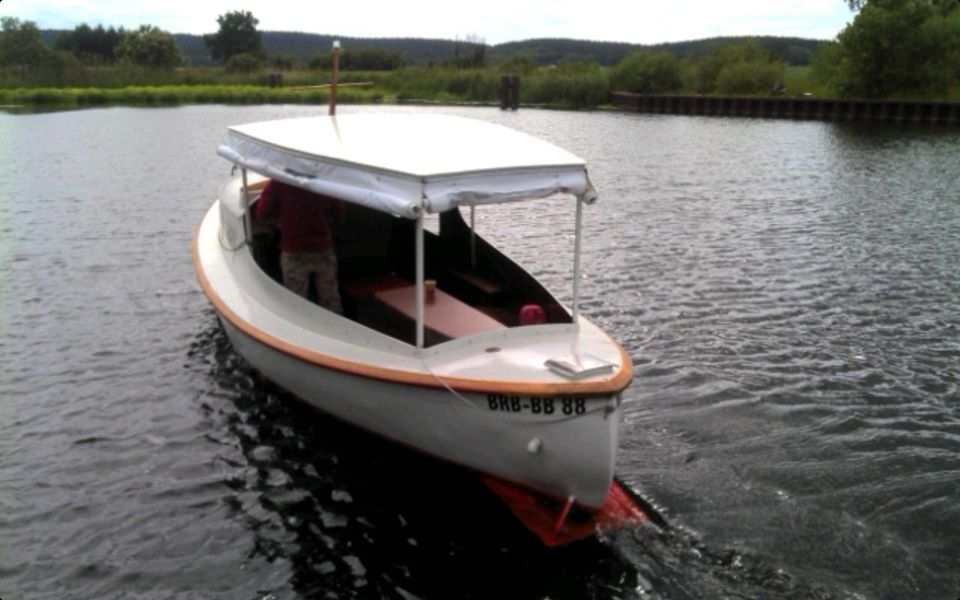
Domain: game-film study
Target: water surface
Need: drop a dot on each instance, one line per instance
(789, 292)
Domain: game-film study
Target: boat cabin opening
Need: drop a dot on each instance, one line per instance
(469, 286)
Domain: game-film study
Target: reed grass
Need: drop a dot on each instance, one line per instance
(112, 85)
(179, 94)
(567, 85)
(579, 89)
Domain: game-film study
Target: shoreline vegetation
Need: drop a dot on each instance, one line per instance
(569, 86)
(403, 86)
(905, 50)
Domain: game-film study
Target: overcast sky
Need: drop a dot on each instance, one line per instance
(495, 21)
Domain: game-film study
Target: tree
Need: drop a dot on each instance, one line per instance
(21, 44)
(319, 61)
(647, 72)
(150, 46)
(738, 68)
(519, 64)
(237, 35)
(899, 47)
(371, 59)
(470, 53)
(284, 61)
(944, 6)
(87, 43)
(759, 77)
(243, 63)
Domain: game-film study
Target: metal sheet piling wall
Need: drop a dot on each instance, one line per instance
(780, 107)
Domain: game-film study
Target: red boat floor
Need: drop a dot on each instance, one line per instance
(555, 524)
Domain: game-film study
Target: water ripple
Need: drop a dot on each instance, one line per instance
(789, 292)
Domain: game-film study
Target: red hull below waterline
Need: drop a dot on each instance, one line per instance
(555, 524)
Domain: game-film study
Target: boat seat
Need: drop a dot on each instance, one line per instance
(445, 315)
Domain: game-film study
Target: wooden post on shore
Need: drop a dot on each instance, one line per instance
(334, 69)
(509, 92)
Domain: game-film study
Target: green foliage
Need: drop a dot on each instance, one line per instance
(445, 84)
(518, 64)
(284, 61)
(799, 52)
(803, 80)
(898, 47)
(359, 59)
(305, 45)
(366, 58)
(647, 72)
(431, 52)
(31, 73)
(742, 68)
(826, 65)
(790, 50)
(237, 35)
(319, 61)
(149, 46)
(474, 85)
(21, 44)
(471, 53)
(170, 95)
(573, 84)
(569, 85)
(944, 6)
(89, 44)
(750, 78)
(548, 51)
(243, 63)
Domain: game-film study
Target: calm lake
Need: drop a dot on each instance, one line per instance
(789, 293)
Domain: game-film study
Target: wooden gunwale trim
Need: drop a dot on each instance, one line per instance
(617, 382)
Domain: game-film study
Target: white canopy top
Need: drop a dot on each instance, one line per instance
(407, 163)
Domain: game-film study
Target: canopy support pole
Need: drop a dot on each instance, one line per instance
(576, 262)
(245, 203)
(334, 74)
(473, 237)
(418, 298)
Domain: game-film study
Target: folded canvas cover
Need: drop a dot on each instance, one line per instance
(406, 164)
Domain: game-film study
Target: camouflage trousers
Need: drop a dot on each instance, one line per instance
(298, 267)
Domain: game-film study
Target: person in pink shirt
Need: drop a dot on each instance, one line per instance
(304, 219)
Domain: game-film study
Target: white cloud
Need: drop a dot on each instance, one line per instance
(494, 20)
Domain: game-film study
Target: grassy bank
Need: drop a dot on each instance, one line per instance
(178, 94)
(571, 85)
(564, 87)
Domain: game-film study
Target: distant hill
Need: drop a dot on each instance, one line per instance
(547, 51)
(791, 50)
(794, 51)
(305, 45)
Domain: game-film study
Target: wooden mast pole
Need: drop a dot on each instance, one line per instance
(334, 69)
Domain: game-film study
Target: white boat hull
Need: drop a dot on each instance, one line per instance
(485, 401)
(557, 454)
